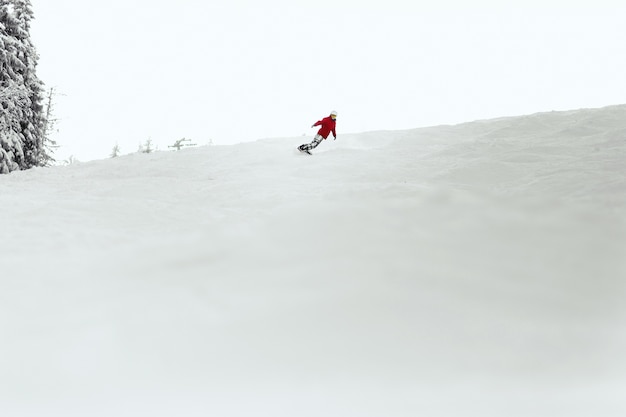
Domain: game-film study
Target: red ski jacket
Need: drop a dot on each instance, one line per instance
(327, 125)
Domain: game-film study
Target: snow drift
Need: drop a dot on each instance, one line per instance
(465, 270)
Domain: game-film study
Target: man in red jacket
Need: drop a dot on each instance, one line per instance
(327, 126)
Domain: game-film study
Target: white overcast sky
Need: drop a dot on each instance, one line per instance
(240, 70)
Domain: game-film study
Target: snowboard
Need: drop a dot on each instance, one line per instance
(304, 151)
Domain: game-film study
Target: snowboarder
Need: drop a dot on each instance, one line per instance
(327, 127)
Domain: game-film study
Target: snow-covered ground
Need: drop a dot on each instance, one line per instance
(469, 270)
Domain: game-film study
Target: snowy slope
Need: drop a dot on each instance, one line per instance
(468, 270)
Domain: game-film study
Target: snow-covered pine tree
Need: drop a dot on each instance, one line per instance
(50, 122)
(13, 99)
(21, 92)
(116, 151)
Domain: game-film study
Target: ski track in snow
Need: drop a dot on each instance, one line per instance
(471, 270)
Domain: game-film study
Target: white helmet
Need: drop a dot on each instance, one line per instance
(333, 113)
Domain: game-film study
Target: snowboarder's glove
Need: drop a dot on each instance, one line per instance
(334, 137)
(312, 125)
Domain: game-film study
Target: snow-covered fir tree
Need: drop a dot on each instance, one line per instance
(49, 126)
(22, 119)
(146, 147)
(116, 151)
